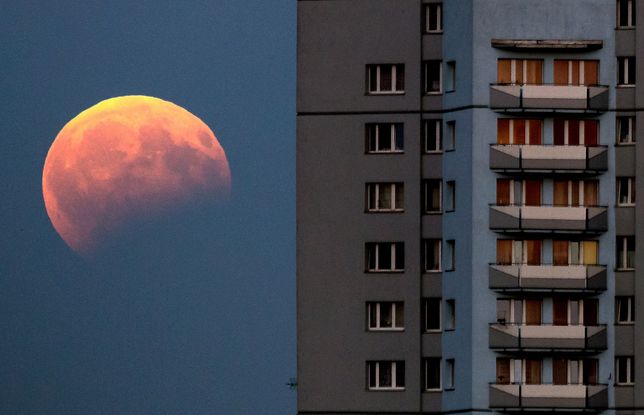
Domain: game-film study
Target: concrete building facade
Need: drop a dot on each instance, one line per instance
(466, 206)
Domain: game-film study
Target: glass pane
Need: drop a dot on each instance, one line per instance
(574, 312)
(560, 192)
(372, 197)
(373, 78)
(504, 71)
(371, 137)
(560, 312)
(373, 315)
(591, 72)
(400, 196)
(630, 247)
(561, 72)
(384, 196)
(503, 131)
(384, 380)
(534, 71)
(371, 256)
(532, 192)
(560, 252)
(385, 78)
(433, 373)
(535, 127)
(384, 256)
(400, 374)
(400, 136)
(574, 372)
(503, 192)
(590, 371)
(503, 311)
(400, 256)
(559, 131)
(534, 252)
(385, 315)
(519, 131)
(533, 371)
(372, 374)
(591, 128)
(575, 253)
(574, 193)
(400, 78)
(575, 72)
(573, 132)
(559, 371)
(591, 310)
(502, 370)
(533, 312)
(591, 190)
(400, 315)
(504, 251)
(384, 137)
(591, 249)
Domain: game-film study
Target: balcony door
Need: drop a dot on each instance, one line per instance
(533, 371)
(573, 132)
(560, 371)
(575, 252)
(576, 193)
(519, 131)
(532, 192)
(560, 311)
(591, 311)
(576, 72)
(520, 71)
(532, 312)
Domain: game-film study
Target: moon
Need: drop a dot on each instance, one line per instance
(125, 158)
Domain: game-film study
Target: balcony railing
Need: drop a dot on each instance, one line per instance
(550, 98)
(554, 219)
(554, 159)
(545, 277)
(522, 337)
(517, 397)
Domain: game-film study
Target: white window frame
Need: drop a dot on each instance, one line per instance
(378, 189)
(630, 183)
(630, 378)
(395, 67)
(377, 128)
(426, 189)
(630, 136)
(426, 313)
(438, 131)
(630, 23)
(426, 77)
(377, 246)
(394, 375)
(440, 374)
(623, 64)
(438, 17)
(629, 319)
(377, 307)
(623, 240)
(434, 242)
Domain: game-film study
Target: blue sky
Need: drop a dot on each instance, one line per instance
(194, 314)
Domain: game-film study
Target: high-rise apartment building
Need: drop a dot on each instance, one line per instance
(467, 235)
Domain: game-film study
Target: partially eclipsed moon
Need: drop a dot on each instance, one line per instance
(125, 157)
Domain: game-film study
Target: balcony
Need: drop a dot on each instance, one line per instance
(548, 159)
(522, 337)
(519, 397)
(552, 219)
(549, 98)
(566, 278)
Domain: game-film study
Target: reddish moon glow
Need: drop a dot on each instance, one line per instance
(126, 157)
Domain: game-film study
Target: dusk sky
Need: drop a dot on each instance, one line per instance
(191, 313)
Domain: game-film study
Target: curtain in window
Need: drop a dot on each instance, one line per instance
(591, 250)
(533, 371)
(533, 252)
(559, 371)
(591, 72)
(560, 252)
(591, 193)
(560, 192)
(560, 311)
(534, 72)
(591, 306)
(590, 371)
(591, 129)
(503, 131)
(533, 192)
(535, 128)
(559, 132)
(503, 192)
(533, 312)
(573, 132)
(519, 131)
(400, 314)
(502, 370)
(504, 71)
(561, 72)
(504, 251)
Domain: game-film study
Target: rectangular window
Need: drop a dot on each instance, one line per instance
(432, 373)
(386, 79)
(450, 255)
(433, 73)
(626, 191)
(385, 138)
(450, 78)
(625, 14)
(576, 72)
(432, 195)
(450, 145)
(532, 192)
(386, 375)
(576, 193)
(432, 255)
(450, 323)
(520, 71)
(624, 310)
(571, 132)
(386, 315)
(519, 131)
(626, 130)
(449, 374)
(450, 196)
(624, 370)
(385, 197)
(433, 136)
(626, 71)
(434, 18)
(625, 252)
(432, 314)
(509, 311)
(385, 256)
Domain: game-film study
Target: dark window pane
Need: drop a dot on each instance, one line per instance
(400, 256)
(400, 374)
(400, 136)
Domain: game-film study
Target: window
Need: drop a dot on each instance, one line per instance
(519, 131)
(450, 259)
(433, 136)
(576, 193)
(432, 255)
(625, 130)
(432, 373)
(386, 375)
(509, 311)
(571, 132)
(520, 71)
(432, 196)
(450, 145)
(626, 71)
(516, 252)
(625, 14)
(576, 72)
(386, 315)
(434, 18)
(450, 79)
(449, 374)
(566, 253)
(432, 314)
(386, 79)
(518, 192)
(385, 256)
(624, 370)
(433, 77)
(625, 252)
(385, 197)
(624, 310)
(450, 324)
(626, 191)
(385, 138)
(450, 196)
